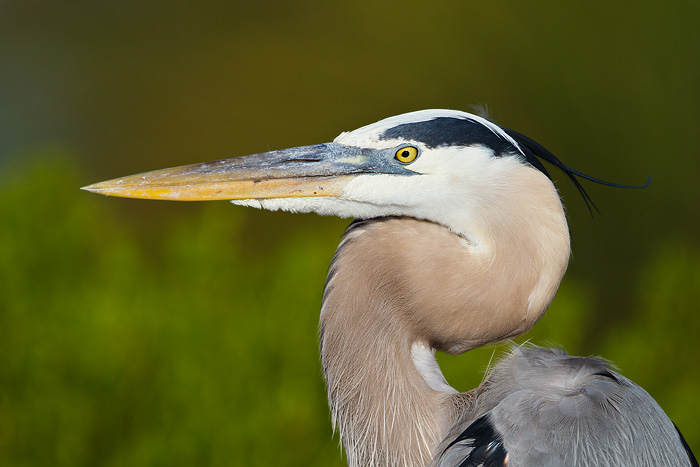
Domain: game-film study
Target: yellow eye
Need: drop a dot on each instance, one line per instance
(407, 154)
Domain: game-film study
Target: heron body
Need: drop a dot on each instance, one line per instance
(460, 239)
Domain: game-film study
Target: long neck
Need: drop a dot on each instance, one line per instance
(378, 397)
(399, 289)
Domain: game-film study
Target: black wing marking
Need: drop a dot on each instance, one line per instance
(482, 444)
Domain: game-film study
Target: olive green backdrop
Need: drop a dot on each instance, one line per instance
(154, 333)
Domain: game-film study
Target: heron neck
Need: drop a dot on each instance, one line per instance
(385, 412)
(399, 282)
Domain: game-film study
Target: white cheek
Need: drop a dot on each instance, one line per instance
(442, 176)
(379, 189)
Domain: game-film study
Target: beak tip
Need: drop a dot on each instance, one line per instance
(95, 188)
(102, 188)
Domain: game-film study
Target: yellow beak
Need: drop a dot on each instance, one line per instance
(320, 170)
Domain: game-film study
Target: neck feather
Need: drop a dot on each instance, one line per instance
(377, 395)
(400, 288)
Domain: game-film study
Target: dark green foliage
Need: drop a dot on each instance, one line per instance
(186, 355)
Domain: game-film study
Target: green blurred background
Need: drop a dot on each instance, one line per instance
(153, 333)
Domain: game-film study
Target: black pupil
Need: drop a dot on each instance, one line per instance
(405, 154)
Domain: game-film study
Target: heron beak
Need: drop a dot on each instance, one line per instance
(320, 170)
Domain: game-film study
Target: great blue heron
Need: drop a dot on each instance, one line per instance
(461, 239)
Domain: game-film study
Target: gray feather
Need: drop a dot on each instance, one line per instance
(551, 409)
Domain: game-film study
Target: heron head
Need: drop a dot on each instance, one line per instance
(430, 164)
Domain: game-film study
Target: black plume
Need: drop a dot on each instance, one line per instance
(534, 151)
